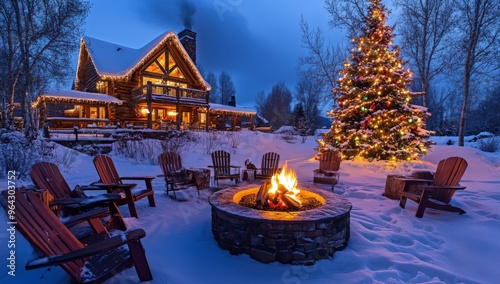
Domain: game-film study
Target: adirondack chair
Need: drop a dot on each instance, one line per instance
(176, 177)
(92, 263)
(111, 181)
(47, 176)
(223, 169)
(269, 166)
(329, 165)
(437, 193)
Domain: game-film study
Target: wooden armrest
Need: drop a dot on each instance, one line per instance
(236, 167)
(89, 187)
(103, 198)
(115, 185)
(415, 180)
(67, 201)
(106, 244)
(138, 178)
(84, 217)
(458, 187)
(31, 187)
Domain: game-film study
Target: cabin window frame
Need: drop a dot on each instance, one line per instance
(165, 78)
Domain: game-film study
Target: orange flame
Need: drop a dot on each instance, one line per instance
(287, 178)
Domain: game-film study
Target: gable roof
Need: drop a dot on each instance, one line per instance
(118, 62)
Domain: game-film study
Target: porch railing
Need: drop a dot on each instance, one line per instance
(172, 91)
(147, 91)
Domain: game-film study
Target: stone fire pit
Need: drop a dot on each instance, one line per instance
(299, 237)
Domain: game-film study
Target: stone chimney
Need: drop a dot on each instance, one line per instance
(188, 40)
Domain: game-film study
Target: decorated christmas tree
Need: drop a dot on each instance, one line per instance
(374, 118)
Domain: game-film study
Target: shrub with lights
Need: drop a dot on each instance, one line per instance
(374, 118)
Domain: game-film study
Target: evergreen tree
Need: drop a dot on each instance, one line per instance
(375, 119)
(298, 114)
(300, 122)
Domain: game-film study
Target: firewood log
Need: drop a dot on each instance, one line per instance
(290, 201)
(282, 189)
(262, 194)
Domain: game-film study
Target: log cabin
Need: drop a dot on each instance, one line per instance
(156, 86)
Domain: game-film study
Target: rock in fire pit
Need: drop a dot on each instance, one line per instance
(292, 237)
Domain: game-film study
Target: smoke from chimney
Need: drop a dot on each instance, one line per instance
(188, 9)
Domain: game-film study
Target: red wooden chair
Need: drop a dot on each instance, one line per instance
(223, 169)
(176, 177)
(268, 166)
(329, 165)
(437, 193)
(93, 263)
(46, 176)
(111, 181)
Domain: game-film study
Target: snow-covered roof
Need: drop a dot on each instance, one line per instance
(231, 109)
(72, 96)
(262, 118)
(112, 59)
(119, 62)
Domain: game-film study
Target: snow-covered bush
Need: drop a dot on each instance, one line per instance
(287, 133)
(234, 139)
(65, 157)
(17, 153)
(179, 141)
(211, 141)
(143, 150)
(89, 149)
(148, 150)
(489, 144)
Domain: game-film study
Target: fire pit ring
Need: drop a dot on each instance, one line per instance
(298, 237)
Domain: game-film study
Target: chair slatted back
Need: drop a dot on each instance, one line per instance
(222, 162)
(269, 165)
(329, 161)
(45, 231)
(47, 176)
(449, 172)
(106, 170)
(169, 162)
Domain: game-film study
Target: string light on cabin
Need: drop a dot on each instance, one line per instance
(168, 38)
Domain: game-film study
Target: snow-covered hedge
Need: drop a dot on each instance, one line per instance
(17, 153)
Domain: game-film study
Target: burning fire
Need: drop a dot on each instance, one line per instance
(281, 192)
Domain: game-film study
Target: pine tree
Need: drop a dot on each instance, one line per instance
(300, 122)
(375, 119)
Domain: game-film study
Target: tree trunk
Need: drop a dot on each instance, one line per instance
(463, 112)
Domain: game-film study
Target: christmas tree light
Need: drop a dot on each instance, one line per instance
(374, 118)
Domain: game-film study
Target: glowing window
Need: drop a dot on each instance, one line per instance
(202, 117)
(151, 79)
(154, 67)
(186, 117)
(171, 62)
(176, 72)
(102, 87)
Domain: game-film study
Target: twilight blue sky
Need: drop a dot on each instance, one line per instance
(257, 42)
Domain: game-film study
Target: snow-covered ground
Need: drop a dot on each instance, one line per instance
(388, 244)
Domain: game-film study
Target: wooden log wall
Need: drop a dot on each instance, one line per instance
(57, 109)
(91, 78)
(123, 91)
